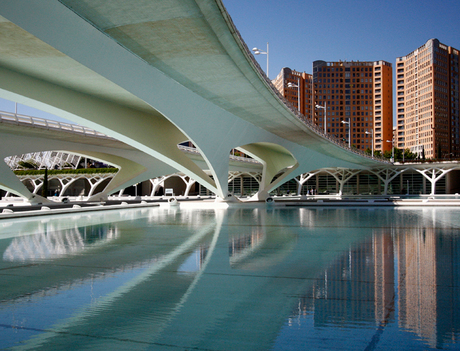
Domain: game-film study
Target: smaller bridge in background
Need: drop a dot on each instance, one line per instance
(25, 137)
(75, 143)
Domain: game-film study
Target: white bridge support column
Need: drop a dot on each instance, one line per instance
(129, 173)
(152, 134)
(65, 184)
(386, 175)
(303, 178)
(274, 159)
(11, 183)
(257, 176)
(159, 181)
(189, 183)
(433, 174)
(342, 176)
(37, 183)
(96, 180)
(156, 183)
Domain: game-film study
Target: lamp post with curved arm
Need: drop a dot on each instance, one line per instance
(325, 114)
(392, 150)
(258, 52)
(349, 135)
(292, 85)
(372, 136)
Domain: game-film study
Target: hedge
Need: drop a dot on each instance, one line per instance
(67, 171)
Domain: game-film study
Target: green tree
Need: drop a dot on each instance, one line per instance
(29, 164)
(45, 184)
(387, 154)
(408, 155)
(398, 154)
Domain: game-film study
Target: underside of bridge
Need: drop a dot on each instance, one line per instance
(154, 74)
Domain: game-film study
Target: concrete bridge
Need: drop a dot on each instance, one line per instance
(155, 75)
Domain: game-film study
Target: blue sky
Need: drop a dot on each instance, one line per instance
(300, 31)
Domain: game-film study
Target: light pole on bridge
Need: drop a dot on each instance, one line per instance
(325, 114)
(292, 85)
(372, 136)
(349, 134)
(258, 52)
(392, 150)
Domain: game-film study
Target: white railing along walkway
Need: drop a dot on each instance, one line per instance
(24, 120)
(19, 119)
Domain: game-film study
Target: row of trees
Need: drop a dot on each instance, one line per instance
(31, 164)
(399, 154)
(407, 155)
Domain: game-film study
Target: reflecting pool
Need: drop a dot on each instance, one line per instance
(237, 279)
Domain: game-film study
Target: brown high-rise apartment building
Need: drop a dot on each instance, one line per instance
(428, 101)
(359, 95)
(289, 83)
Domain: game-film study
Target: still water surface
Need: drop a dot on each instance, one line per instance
(235, 279)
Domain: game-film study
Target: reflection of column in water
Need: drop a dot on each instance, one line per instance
(244, 244)
(57, 244)
(307, 217)
(252, 248)
(111, 309)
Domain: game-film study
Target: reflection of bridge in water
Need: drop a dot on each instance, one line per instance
(57, 244)
(242, 269)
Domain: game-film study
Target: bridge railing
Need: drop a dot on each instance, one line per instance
(19, 119)
(194, 150)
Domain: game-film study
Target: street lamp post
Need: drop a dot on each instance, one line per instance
(349, 134)
(292, 85)
(372, 136)
(258, 52)
(392, 151)
(325, 114)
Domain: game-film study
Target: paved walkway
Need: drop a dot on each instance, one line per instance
(16, 208)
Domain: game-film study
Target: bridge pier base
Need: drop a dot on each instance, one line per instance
(99, 197)
(261, 195)
(229, 198)
(38, 199)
